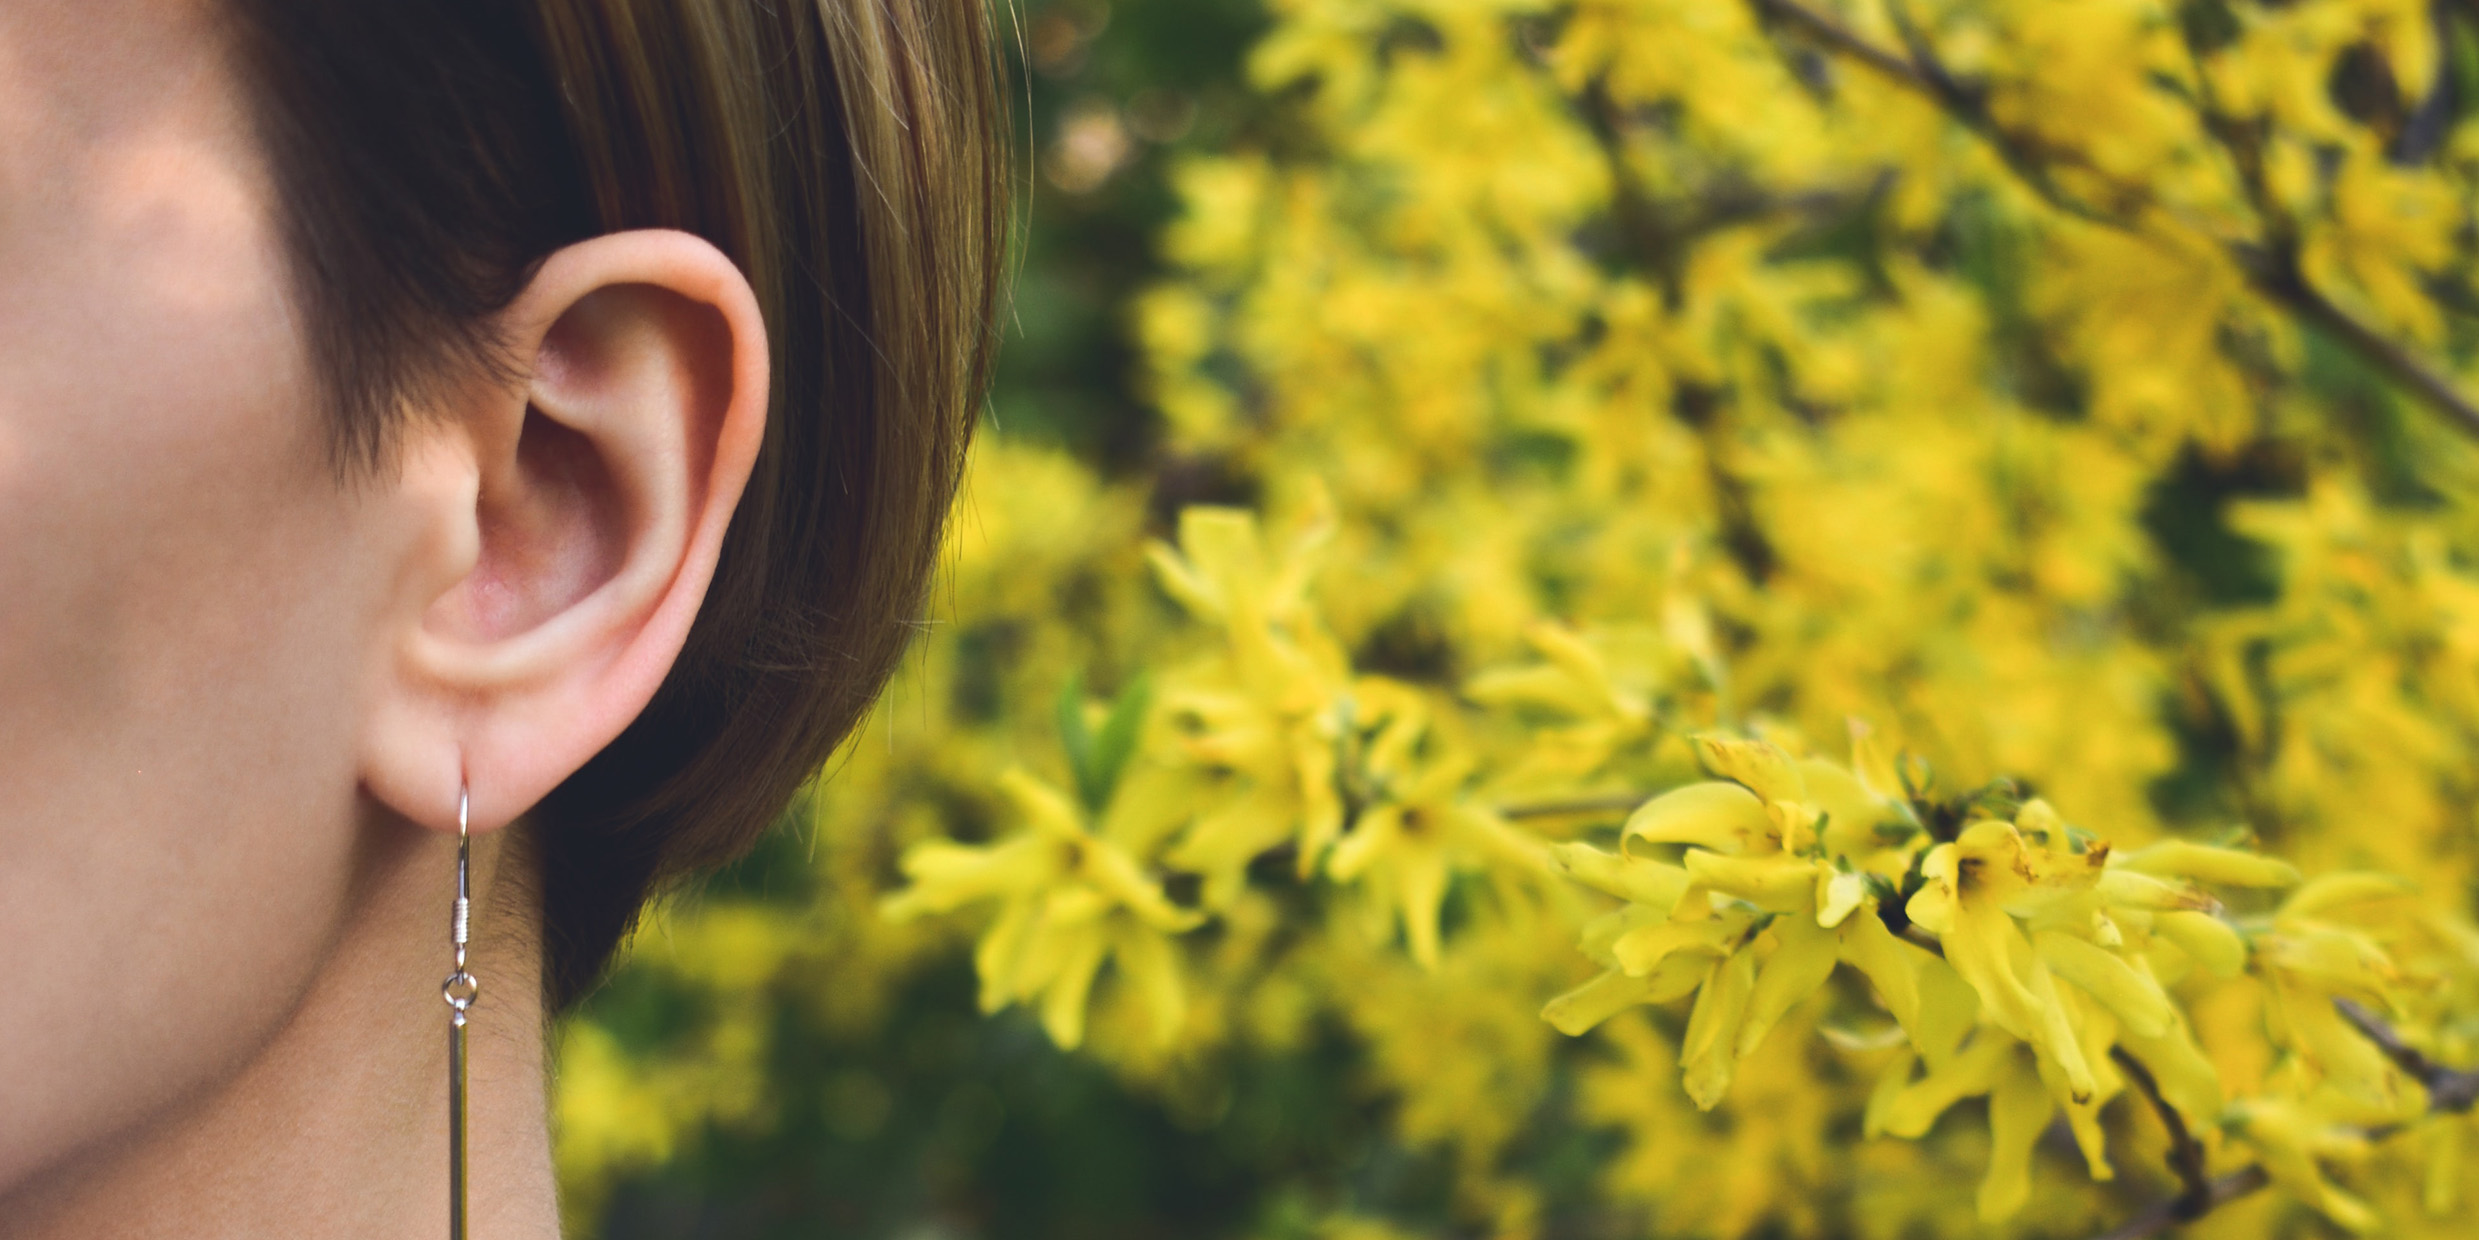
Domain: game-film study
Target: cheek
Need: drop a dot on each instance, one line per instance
(180, 612)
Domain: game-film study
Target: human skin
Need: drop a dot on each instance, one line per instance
(240, 691)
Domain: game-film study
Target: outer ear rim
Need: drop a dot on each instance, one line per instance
(471, 745)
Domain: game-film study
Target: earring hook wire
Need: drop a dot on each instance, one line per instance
(460, 990)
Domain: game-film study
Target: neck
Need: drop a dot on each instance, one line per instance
(338, 1127)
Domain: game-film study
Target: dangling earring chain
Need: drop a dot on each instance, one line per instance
(460, 990)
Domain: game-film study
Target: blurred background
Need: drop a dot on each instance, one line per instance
(2075, 388)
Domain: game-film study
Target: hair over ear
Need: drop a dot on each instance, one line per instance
(847, 155)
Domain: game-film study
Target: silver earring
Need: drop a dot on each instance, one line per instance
(460, 990)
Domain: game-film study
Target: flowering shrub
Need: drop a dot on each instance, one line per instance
(1788, 565)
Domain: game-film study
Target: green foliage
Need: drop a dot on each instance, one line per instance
(1096, 758)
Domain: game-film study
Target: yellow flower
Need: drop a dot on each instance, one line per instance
(2313, 955)
(1755, 917)
(1575, 681)
(2293, 1139)
(1275, 705)
(1975, 887)
(1069, 901)
(1671, 369)
(2019, 1107)
(1423, 828)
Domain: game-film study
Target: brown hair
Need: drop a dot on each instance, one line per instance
(849, 155)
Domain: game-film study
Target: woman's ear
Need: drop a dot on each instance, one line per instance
(565, 527)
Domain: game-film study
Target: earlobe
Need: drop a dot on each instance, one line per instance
(575, 522)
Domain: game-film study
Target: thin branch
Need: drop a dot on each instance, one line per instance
(2273, 267)
(1833, 34)
(2375, 348)
(1615, 803)
(2449, 1090)
(2200, 1194)
(2186, 1154)
(2160, 1218)
(1921, 70)
(2271, 263)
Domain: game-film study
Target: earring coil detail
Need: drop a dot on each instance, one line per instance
(460, 991)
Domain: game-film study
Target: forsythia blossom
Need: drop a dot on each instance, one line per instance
(1611, 400)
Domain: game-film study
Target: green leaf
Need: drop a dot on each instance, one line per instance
(1076, 740)
(1098, 758)
(1116, 742)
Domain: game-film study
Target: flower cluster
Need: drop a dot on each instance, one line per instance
(1627, 395)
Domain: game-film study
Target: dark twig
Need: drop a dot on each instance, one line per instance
(1922, 70)
(2374, 347)
(1949, 89)
(1833, 34)
(2271, 262)
(1615, 803)
(2448, 1090)
(2186, 1154)
(2160, 1218)
(2200, 1194)
(2272, 266)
